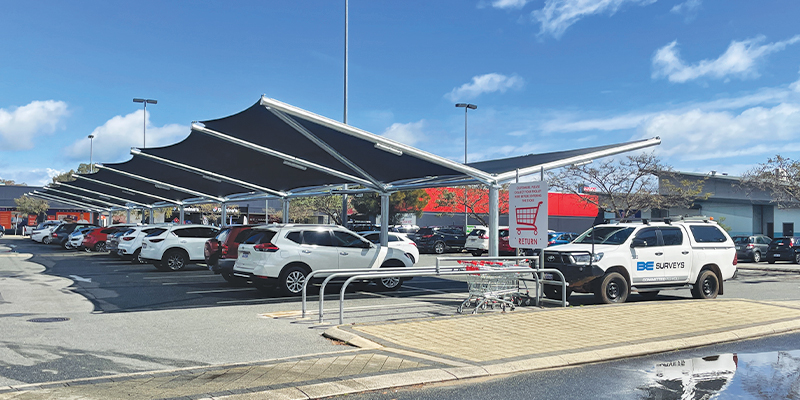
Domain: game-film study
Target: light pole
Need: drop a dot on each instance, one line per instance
(144, 125)
(466, 107)
(91, 148)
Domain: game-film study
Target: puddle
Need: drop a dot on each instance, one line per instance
(768, 375)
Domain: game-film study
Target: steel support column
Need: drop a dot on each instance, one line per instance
(344, 195)
(182, 214)
(128, 216)
(494, 220)
(385, 219)
(224, 214)
(286, 202)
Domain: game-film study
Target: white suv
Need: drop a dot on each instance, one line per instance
(171, 248)
(42, 232)
(615, 259)
(130, 243)
(283, 255)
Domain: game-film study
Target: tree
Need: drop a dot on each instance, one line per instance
(11, 182)
(67, 176)
(213, 211)
(400, 203)
(780, 176)
(30, 205)
(630, 184)
(475, 198)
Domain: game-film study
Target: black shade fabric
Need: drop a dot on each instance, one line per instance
(510, 164)
(242, 168)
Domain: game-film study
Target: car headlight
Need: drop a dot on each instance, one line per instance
(584, 258)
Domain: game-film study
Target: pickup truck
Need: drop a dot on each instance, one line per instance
(613, 260)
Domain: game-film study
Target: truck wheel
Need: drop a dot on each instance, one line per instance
(137, 257)
(438, 248)
(476, 253)
(47, 240)
(613, 288)
(707, 285)
(100, 247)
(797, 258)
(756, 257)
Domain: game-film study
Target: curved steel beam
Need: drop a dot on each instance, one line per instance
(168, 186)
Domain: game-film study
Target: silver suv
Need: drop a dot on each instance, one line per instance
(283, 255)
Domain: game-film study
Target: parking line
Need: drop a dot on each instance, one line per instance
(180, 276)
(284, 314)
(433, 290)
(221, 290)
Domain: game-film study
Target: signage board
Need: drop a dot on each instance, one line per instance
(527, 215)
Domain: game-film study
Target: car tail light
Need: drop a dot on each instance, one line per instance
(267, 247)
(735, 259)
(156, 240)
(128, 238)
(414, 243)
(552, 242)
(750, 246)
(484, 236)
(426, 236)
(224, 251)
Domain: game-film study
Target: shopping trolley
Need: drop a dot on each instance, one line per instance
(527, 216)
(490, 290)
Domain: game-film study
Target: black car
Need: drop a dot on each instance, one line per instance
(784, 249)
(61, 234)
(751, 247)
(440, 239)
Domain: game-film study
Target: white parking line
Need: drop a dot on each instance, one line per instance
(221, 290)
(432, 290)
(180, 276)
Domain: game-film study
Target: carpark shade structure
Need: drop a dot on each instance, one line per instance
(275, 150)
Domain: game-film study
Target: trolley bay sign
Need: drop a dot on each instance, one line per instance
(527, 215)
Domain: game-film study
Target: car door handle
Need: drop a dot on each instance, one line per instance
(183, 241)
(684, 252)
(306, 251)
(343, 253)
(659, 254)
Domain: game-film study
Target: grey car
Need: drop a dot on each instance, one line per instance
(751, 247)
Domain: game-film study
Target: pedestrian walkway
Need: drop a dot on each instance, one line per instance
(450, 348)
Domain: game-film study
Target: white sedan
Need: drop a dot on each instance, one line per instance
(397, 241)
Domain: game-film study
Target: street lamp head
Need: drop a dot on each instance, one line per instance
(467, 105)
(91, 136)
(148, 101)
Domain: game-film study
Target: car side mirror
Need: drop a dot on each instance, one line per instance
(638, 243)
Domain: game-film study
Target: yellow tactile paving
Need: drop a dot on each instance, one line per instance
(501, 336)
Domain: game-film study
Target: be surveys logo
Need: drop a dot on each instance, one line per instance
(645, 266)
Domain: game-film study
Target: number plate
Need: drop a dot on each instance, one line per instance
(245, 254)
(776, 255)
(548, 276)
(738, 247)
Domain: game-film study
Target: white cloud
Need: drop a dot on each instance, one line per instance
(739, 60)
(701, 135)
(409, 133)
(31, 177)
(504, 4)
(113, 140)
(558, 15)
(20, 126)
(488, 83)
(688, 8)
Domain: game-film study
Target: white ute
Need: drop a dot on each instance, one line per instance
(613, 260)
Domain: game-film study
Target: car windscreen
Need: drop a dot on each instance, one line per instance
(740, 239)
(260, 236)
(425, 232)
(605, 235)
(477, 232)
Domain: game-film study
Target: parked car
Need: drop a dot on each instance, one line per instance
(504, 245)
(784, 249)
(75, 240)
(129, 243)
(43, 232)
(557, 238)
(283, 255)
(752, 247)
(112, 241)
(61, 234)
(171, 248)
(477, 241)
(96, 238)
(440, 239)
(397, 240)
(221, 251)
(409, 230)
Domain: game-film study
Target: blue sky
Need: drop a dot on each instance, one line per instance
(718, 81)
